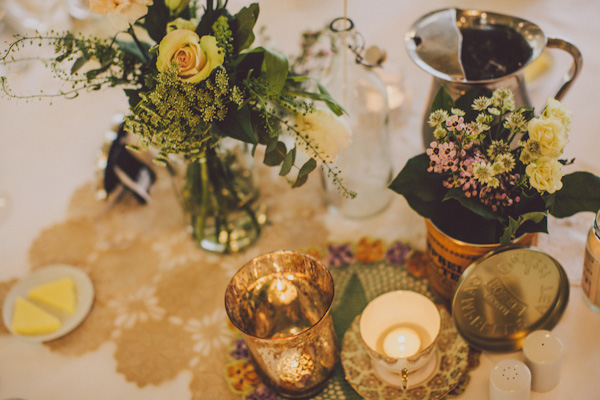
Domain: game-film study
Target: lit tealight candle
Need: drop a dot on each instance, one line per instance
(401, 342)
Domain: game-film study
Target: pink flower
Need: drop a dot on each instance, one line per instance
(455, 122)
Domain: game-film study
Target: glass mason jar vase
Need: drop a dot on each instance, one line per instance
(366, 164)
(222, 199)
(590, 281)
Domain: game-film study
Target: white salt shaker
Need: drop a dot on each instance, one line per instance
(510, 379)
(543, 355)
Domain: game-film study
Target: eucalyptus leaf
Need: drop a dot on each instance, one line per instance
(272, 145)
(288, 162)
(306, 169)
(276, 156)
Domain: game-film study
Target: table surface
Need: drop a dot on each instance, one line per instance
(47, 153)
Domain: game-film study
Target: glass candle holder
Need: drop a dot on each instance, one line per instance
(281, 303)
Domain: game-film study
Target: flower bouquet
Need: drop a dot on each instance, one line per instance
(194, 84)
(494, 172)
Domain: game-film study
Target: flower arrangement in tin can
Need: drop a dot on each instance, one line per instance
(495, 172)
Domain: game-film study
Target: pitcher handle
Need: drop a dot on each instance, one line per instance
(570, 48)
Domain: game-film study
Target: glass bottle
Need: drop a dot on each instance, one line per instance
(590, 281)
(366, 164)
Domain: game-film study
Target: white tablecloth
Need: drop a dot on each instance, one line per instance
(47, 151)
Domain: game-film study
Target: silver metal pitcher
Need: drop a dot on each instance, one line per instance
(469, 49)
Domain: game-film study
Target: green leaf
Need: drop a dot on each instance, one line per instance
(472, 204)
(331, 103)
(323, 94)
(514, 225)
(276, 156)
(354, 300)
(132, 49)
(244, 22)
(425, 192)
(580, 192)
(288, 162)
(274, 68)
(414, 181)
(271, 145)
(208, 19)
(156, 20)
(442, 100)
(306, 169)
(238, 126)
(134, 97)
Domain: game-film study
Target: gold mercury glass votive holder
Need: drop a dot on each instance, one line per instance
(281, 303)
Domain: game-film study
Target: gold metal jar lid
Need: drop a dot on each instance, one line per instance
(505, 295)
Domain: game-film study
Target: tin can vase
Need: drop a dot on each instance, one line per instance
(449, 257)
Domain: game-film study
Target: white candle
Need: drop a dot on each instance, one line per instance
(401, 342)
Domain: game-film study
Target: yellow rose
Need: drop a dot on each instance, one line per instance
(545, 174)
(555, 109)
(176, 6)
(325, 133)
(196, 57)
(550, 133)
(181, 23)
(131, 9)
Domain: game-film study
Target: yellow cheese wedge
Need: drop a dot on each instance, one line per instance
(59, 294)
(29, 319)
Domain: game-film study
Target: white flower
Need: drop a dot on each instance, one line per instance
(550, 133)
(504, 163)
(483, 172)
(515, 122)
(437, 118)
(555, 109)
(322, 135)
(481, 103)
(545, 174)
(131, 9)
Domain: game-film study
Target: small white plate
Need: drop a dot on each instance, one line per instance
(85, 298)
